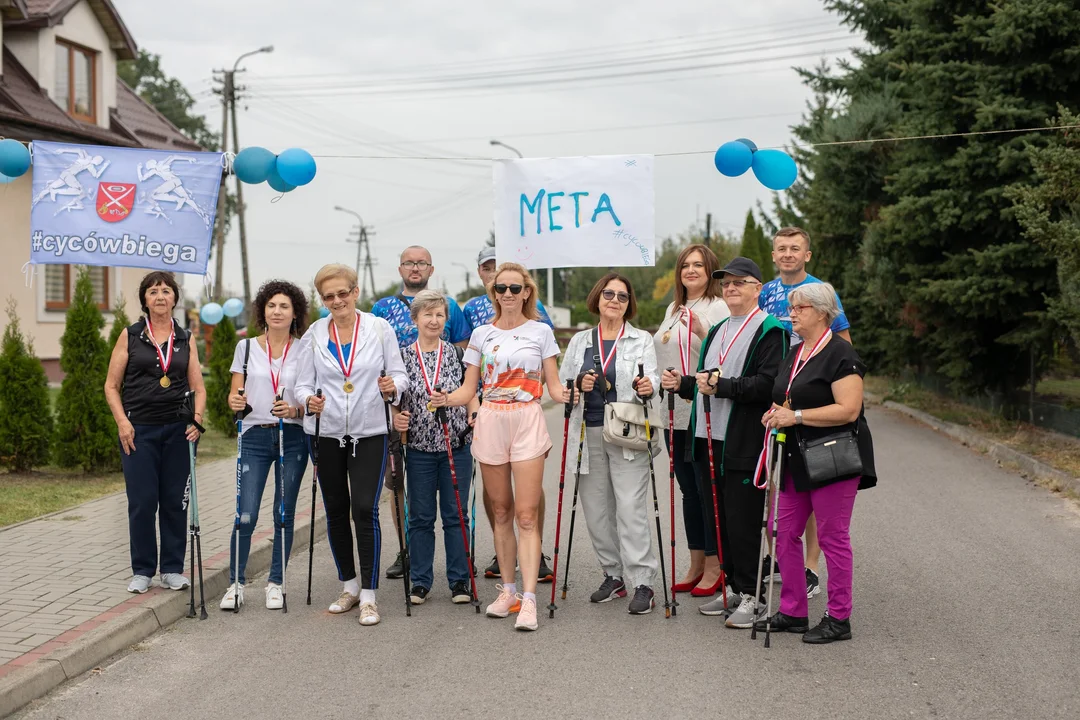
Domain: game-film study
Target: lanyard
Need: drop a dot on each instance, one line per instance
(684, 348)
(423, 369)
(725, 353)
(346, 369)
(166, 358)
(798, 368)
(275, 379)
(605, 361)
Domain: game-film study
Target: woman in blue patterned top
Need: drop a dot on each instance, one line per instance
(430, 362)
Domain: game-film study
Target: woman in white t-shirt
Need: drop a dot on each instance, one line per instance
(698, 305)
(514, 357)
(263, 370)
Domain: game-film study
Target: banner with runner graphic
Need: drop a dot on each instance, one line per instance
(123, 207)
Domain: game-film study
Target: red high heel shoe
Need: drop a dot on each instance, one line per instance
(687, 586)
(709, 591)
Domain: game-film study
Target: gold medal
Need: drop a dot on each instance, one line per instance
(431, 407)
(165, 381)
(665, 337)
(687, 400)
(348, 387)
(608, 384)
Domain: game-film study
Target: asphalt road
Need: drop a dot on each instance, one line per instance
(966, 592)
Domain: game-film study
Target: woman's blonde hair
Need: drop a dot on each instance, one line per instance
(528, 308)
(332, 271)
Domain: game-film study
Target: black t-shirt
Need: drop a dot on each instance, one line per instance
(812, 388)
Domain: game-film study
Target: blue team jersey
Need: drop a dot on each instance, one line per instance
(395, 311)
(479, 311)
(774, 300)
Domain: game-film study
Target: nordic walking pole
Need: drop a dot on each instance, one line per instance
(402, 542)
(655, 502)
(706, 401)
(768, 470)
(196, 540)
(440, 415)
(236, 521)
(281, 515)
(314, 490)
(671, 473)
(573, 507)
(781, 439)
(568, 408)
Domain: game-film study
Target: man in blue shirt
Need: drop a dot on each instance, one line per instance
(479, 311)
(415, 269)
(791, 252)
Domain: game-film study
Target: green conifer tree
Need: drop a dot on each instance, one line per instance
(26, 420)
(222, 347)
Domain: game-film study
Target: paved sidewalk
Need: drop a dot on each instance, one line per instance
(64, 575)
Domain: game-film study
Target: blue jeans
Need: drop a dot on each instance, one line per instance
(429, 474)
(258, 453)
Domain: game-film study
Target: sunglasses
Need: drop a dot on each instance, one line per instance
(515, 289)
(611, 295)
(340, 295)
(738, 283)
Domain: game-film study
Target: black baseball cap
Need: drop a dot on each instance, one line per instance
(740, 266)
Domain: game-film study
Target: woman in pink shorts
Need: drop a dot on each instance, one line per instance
(514, 357)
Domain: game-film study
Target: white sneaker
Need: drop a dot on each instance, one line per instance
(233, 598)
(274, 601)
(369, 614)
(174, 581)
(139, 584)
(746, 615)
(716, 607)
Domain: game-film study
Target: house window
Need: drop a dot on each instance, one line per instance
(76, 83)
(60, 284)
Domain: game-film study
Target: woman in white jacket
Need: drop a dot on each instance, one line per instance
(345, 355)
(614, 480)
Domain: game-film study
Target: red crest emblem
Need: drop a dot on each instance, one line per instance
(115, 200)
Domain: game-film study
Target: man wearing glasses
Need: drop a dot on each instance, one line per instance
(415, 269)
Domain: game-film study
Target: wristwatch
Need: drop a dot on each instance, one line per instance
(798, 417)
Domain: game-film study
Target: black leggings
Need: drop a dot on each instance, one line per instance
(693, 521)
(351, 478)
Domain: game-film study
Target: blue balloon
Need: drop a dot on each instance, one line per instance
(775, 169)
(275, 181)
(296, 166)
(233, 307)
(14, 158)
(253, 165)
(323, 312)
(733, 159)
(748, 143)
(4, 179)
(211, 313)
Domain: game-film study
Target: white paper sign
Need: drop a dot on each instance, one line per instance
(575, 212)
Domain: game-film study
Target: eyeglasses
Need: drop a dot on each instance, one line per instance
(416, 265)
(340, 295)
(796, 309)
(611, 295)
(737, 283)
(515, 289)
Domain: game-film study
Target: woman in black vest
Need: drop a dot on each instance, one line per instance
(153, 365)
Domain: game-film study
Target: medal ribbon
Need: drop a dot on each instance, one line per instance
(423, 368)
(605, 361)
(275, 379)
(725, 353)
(166, 359)
(798, 368)
(684, 352)
(346, 370)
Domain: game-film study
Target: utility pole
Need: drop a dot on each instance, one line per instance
(468, 276)
(363, 250)
(219, 230)
(708, 230)
(240, 198)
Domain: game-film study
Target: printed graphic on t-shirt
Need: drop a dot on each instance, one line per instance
(511, 361)
(774, 300)
(396, 312)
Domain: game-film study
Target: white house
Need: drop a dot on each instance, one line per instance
(58, 82)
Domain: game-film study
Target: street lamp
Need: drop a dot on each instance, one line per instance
(264, 49)
(550, 271)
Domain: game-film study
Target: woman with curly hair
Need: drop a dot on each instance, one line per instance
(264, 378)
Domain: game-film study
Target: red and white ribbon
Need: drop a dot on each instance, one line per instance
(684, 348)
(166, 358)
(606, 360)
(429, 384)
(346, 369)
(799, 364)
(724, 353)
(276, 379)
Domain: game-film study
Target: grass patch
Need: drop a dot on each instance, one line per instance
(28, 495)
(1054, 449)
(1067, 391)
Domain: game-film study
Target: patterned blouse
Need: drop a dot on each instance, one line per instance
(425, 431)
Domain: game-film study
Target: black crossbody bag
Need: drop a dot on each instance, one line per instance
(834, 456)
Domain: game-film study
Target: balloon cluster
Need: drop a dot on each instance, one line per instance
(773, 168)
(14, 160)
(284, 172)
(211, 313)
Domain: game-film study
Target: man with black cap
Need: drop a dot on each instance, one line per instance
(740, 358)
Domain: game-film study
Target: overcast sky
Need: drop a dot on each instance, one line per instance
(342, 80)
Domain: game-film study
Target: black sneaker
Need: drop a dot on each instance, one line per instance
(784, 623)
(643, 602)
(492, 570)
(545, 575)
(813, 587)
(397, 570)
(460, 593)
(827, 631)
(418, 594)
(610, 589)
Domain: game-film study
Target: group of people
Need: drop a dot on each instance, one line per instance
(457, 386)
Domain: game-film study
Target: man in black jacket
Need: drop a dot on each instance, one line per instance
(739, 360)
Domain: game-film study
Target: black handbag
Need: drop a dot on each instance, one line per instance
(831, 457)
